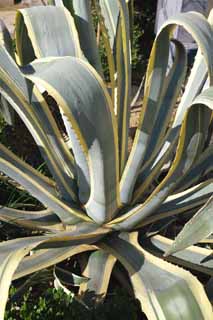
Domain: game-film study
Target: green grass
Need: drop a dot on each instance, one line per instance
(54, 304)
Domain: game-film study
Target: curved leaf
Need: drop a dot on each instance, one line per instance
(10, 256)
(159, 125)
(202, 166)
(123, 62)
(68, 278)
(90, 114)
(98, 270)
(38, 220)
(6, 41)
(31, 107)
(201, 31)
(198, 228)
(194, 258)
(13, 251)
(191, 142)
(51, 30)
(7, 111)
(181, 202)
(37, 185)
(84, 25)
(114, 22)
(108, 13)
(164, 290)
(45, 258)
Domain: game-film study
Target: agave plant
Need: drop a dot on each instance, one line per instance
(101, 197)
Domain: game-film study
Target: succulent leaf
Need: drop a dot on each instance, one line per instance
(98, 193)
